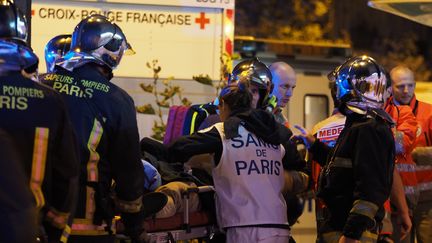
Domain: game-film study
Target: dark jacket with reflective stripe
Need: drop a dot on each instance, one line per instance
(357, 170)
(27, 107)
(90, 97)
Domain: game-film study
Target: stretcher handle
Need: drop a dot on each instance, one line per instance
(200, 189)
(185, 195)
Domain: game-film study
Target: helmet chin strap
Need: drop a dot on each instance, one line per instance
(368, 111)
(355, 109)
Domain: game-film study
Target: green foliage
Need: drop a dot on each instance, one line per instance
(225, 70)
(158, 130)
(318, 21)
(401, 50)
(295, 20)
(164, 99)
(146, 109)
(203, 79)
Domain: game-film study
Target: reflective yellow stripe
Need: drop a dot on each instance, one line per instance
(195, 114)
(334, 236)
(65, 235)
(92, 144)
(368, 236)
(56, 218)
(92, 166)
(86, 227)
(38, 164)
(90, 202)
(365, 208)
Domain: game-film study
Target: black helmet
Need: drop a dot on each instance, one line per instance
(13, 24)
(360, 82)
(255, 72)
(96, 39)
(56, 48)
(16, 57)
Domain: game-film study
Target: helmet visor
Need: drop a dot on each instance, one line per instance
(129, 51)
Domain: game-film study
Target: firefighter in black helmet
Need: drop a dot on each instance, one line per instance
(259, 76)
(104, 118)
(36, 118)
(55, 49)
(13, 23)
(356, 178)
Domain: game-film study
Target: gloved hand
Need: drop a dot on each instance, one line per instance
(134, 227)
(307, 138)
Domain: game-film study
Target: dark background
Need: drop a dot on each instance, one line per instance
(392, 40)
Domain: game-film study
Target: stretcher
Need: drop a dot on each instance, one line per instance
(184, 226)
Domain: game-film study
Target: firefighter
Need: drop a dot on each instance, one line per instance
(328, 130)
(104, 119)
(356, 178)
(403, 86)
(260, 85)
(55, 49)
(36, 118)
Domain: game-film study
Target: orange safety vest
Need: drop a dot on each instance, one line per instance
(405, 135)
(423, 113)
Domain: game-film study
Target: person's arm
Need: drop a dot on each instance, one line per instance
(124, 154)
(202, 142)
(406, 130)
(397, 197)
(373, 163)
(126, 167)
(318, 149)
(292, 159)
(320, 152)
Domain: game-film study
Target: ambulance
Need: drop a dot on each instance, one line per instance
(187, 38)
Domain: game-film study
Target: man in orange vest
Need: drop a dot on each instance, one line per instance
(404, 133)
(403, 86)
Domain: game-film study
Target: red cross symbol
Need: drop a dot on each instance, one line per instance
(202, 20)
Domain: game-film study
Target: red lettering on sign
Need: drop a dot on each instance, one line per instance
(202, 20)
(330, 132)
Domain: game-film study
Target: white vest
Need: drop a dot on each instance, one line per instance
(248, 181)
